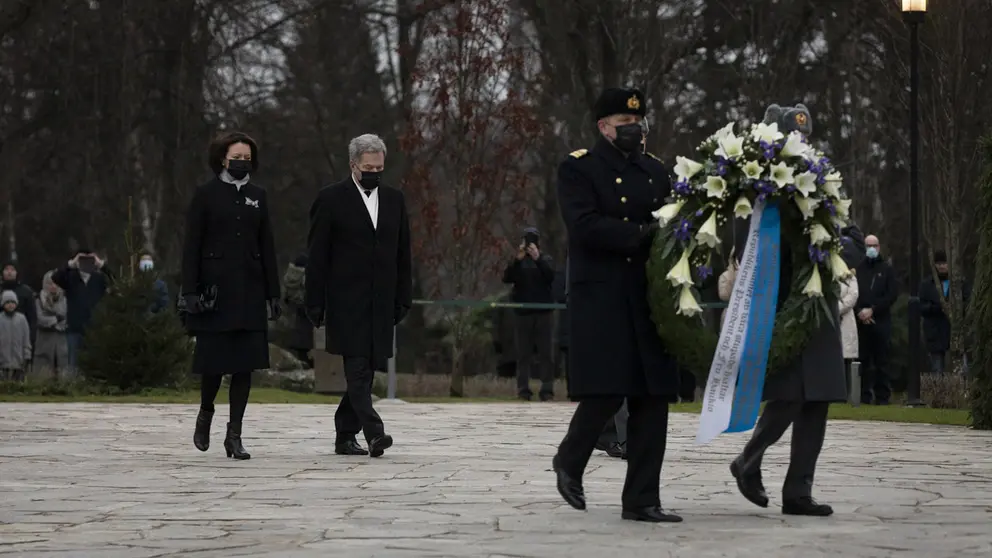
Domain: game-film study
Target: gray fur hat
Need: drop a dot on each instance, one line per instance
(790, 119)
(8, 296)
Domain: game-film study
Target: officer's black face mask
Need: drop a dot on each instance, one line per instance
(370, 179)
(628, 137)
(238, 168)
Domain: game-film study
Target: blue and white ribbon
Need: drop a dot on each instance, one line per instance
(737, 374)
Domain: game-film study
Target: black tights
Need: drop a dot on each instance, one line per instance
(240, 388)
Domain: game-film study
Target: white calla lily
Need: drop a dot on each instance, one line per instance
(686, 168)
(727, 130)
(818, 234)
(668, 212)
(814, 287)
(715, 186)
(753, 170)
(838, 267)
(794, 146)
(806, 183)
(807, 206)
(843, 208)
(766, 132)
(687, 303)
(782, 174)
(681, 273)
(742, 208)
(731, 147)
(708, 234)
(831, 189)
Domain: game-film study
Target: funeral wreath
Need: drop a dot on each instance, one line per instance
(731, 175)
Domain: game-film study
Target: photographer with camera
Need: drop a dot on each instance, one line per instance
(532, 274)
(84, 283)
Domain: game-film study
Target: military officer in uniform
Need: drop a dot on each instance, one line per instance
(606, 196)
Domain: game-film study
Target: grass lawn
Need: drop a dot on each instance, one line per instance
(892, 413)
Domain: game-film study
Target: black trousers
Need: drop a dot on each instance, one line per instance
(647, 433)
(355, 412)
(809, 426)
(873, 351)
(534, 331)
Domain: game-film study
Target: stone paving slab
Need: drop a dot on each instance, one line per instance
(463, 480)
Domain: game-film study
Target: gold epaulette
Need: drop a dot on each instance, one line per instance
(579, 153)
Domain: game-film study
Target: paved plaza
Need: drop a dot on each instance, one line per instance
(463, 480)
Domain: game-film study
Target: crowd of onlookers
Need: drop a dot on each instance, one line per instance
(41, 333)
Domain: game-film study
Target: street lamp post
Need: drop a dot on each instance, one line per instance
(913, 12)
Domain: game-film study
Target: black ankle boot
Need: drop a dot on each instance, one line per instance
(232, 443)
(201, 436)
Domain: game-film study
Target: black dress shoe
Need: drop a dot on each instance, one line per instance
(750, 485)
(569, 488)
(201, 435)
(379, 444)
(349, 447)
(547, 397)
(617, 450)
(806, 506)
(653, 514)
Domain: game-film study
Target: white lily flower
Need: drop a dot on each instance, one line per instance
(753, 170)
(782, 174)
(794, 146)
(831, 189)
(839, 222)
(843, 208)
(668, 212)
(833, 177)
(687, 303)
(806, 183)
(707, 234)
(681, 274)
(814, 287)
(715, 186)
(686, 168)
(727, 130)
(838, 267)
(742, 208)
(818, 234)
(731, 147)
(766, 132)
(807, 206)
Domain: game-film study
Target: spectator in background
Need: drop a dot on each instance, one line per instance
(51, 353)
(15, 339)
(161, 300)
(532, 275)
(25, 296)
(848, 323)
(294, 285)
(877, 292)
(84, 283)
(936, 324)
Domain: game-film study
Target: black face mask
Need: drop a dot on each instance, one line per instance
(370, 180)
(629, 137)
(238, 168)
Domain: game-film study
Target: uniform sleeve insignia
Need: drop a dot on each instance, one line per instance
(579, 153)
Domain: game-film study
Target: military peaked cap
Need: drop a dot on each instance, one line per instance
(790, 119)
(615, 100)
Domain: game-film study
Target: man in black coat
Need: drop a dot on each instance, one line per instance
(936, 323)
(606, 197)
(878, 290)
(359, 277)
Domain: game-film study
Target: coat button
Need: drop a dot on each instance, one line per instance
(650, 181)
(619, 180)
(629, 260)
(238, 234)
(623, 199)
(625, 219)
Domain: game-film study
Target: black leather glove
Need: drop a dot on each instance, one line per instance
(315, 315)
(275, 309)
(192, 303)
(399, 314)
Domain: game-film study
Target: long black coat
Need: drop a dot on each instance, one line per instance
(936, 324)
(818, 373)
(229, 243)
(606, 199)
(360, 275)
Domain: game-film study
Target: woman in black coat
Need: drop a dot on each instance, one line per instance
(229, 277)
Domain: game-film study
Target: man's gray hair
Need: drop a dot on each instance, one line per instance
(365, 143)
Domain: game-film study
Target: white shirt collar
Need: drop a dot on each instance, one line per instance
(226, 177)
(371, 201)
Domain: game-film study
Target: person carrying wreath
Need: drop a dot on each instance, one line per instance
(801, 393)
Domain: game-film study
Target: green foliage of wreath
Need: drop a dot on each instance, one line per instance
(735, 174)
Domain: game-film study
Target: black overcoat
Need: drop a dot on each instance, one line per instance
(358, 274)
(606, 200)
(229, 243)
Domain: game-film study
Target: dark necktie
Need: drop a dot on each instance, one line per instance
(368, 193)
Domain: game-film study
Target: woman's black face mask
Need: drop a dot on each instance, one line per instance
(238, 168)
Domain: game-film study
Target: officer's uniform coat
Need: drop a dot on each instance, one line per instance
(606, 201)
